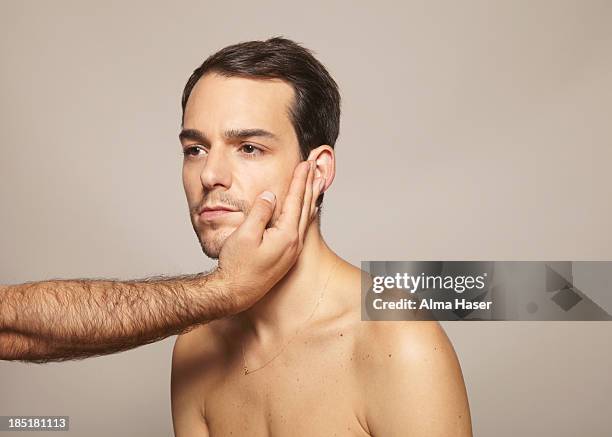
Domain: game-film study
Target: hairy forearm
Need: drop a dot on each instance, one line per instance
(19, 347)
(86, 317)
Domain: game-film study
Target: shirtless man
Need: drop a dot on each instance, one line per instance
(299, 362)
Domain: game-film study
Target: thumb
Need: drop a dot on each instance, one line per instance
(259, 215)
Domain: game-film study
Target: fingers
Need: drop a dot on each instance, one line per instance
(308, 193)
(292, 208)
(260, 214)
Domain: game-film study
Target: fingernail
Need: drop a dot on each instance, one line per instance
(268, 195)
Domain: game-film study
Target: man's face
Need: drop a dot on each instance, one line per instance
(239, 141)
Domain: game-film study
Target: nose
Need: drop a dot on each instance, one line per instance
(216, 171)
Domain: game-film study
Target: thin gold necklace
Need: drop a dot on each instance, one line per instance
(248, 371)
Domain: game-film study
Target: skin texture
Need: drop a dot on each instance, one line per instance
(316, 369)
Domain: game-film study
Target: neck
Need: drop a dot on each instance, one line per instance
(290, 303)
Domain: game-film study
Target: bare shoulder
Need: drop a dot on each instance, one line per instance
(412, 379)
(409, 340)
(201, 339)
(204, 346)
(196, 355)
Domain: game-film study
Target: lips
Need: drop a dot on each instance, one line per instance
(212, 212)
(217, 208)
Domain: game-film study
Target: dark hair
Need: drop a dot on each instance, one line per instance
(315, 112)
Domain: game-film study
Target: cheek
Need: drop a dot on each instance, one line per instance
(251, 181)
(280, 188)
(191, 185)
(255, 186)
(283, 184)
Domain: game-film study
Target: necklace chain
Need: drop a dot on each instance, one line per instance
(248, 371)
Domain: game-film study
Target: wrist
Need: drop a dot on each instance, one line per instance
(209, 296)
(226, 294)
(238, 292)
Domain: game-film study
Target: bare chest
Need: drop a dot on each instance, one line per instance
(310, 389)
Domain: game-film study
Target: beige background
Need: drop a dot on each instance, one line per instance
(470, 130)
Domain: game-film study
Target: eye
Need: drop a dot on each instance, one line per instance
(191, 151)
(251, 150)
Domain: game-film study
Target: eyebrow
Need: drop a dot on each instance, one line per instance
(230, 134)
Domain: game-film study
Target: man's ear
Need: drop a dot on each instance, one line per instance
(325, 159)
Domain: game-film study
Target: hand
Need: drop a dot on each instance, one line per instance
(254, 258)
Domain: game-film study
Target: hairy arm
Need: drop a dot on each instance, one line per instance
(21, 347)
(415, 385)
(70, 318)
(58, 319)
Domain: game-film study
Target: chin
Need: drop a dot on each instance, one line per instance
(212, 242)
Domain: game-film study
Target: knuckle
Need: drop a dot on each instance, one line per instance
(261, 219)
(265, 204)
(265, 209)
(247, 240)
(241, 236)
